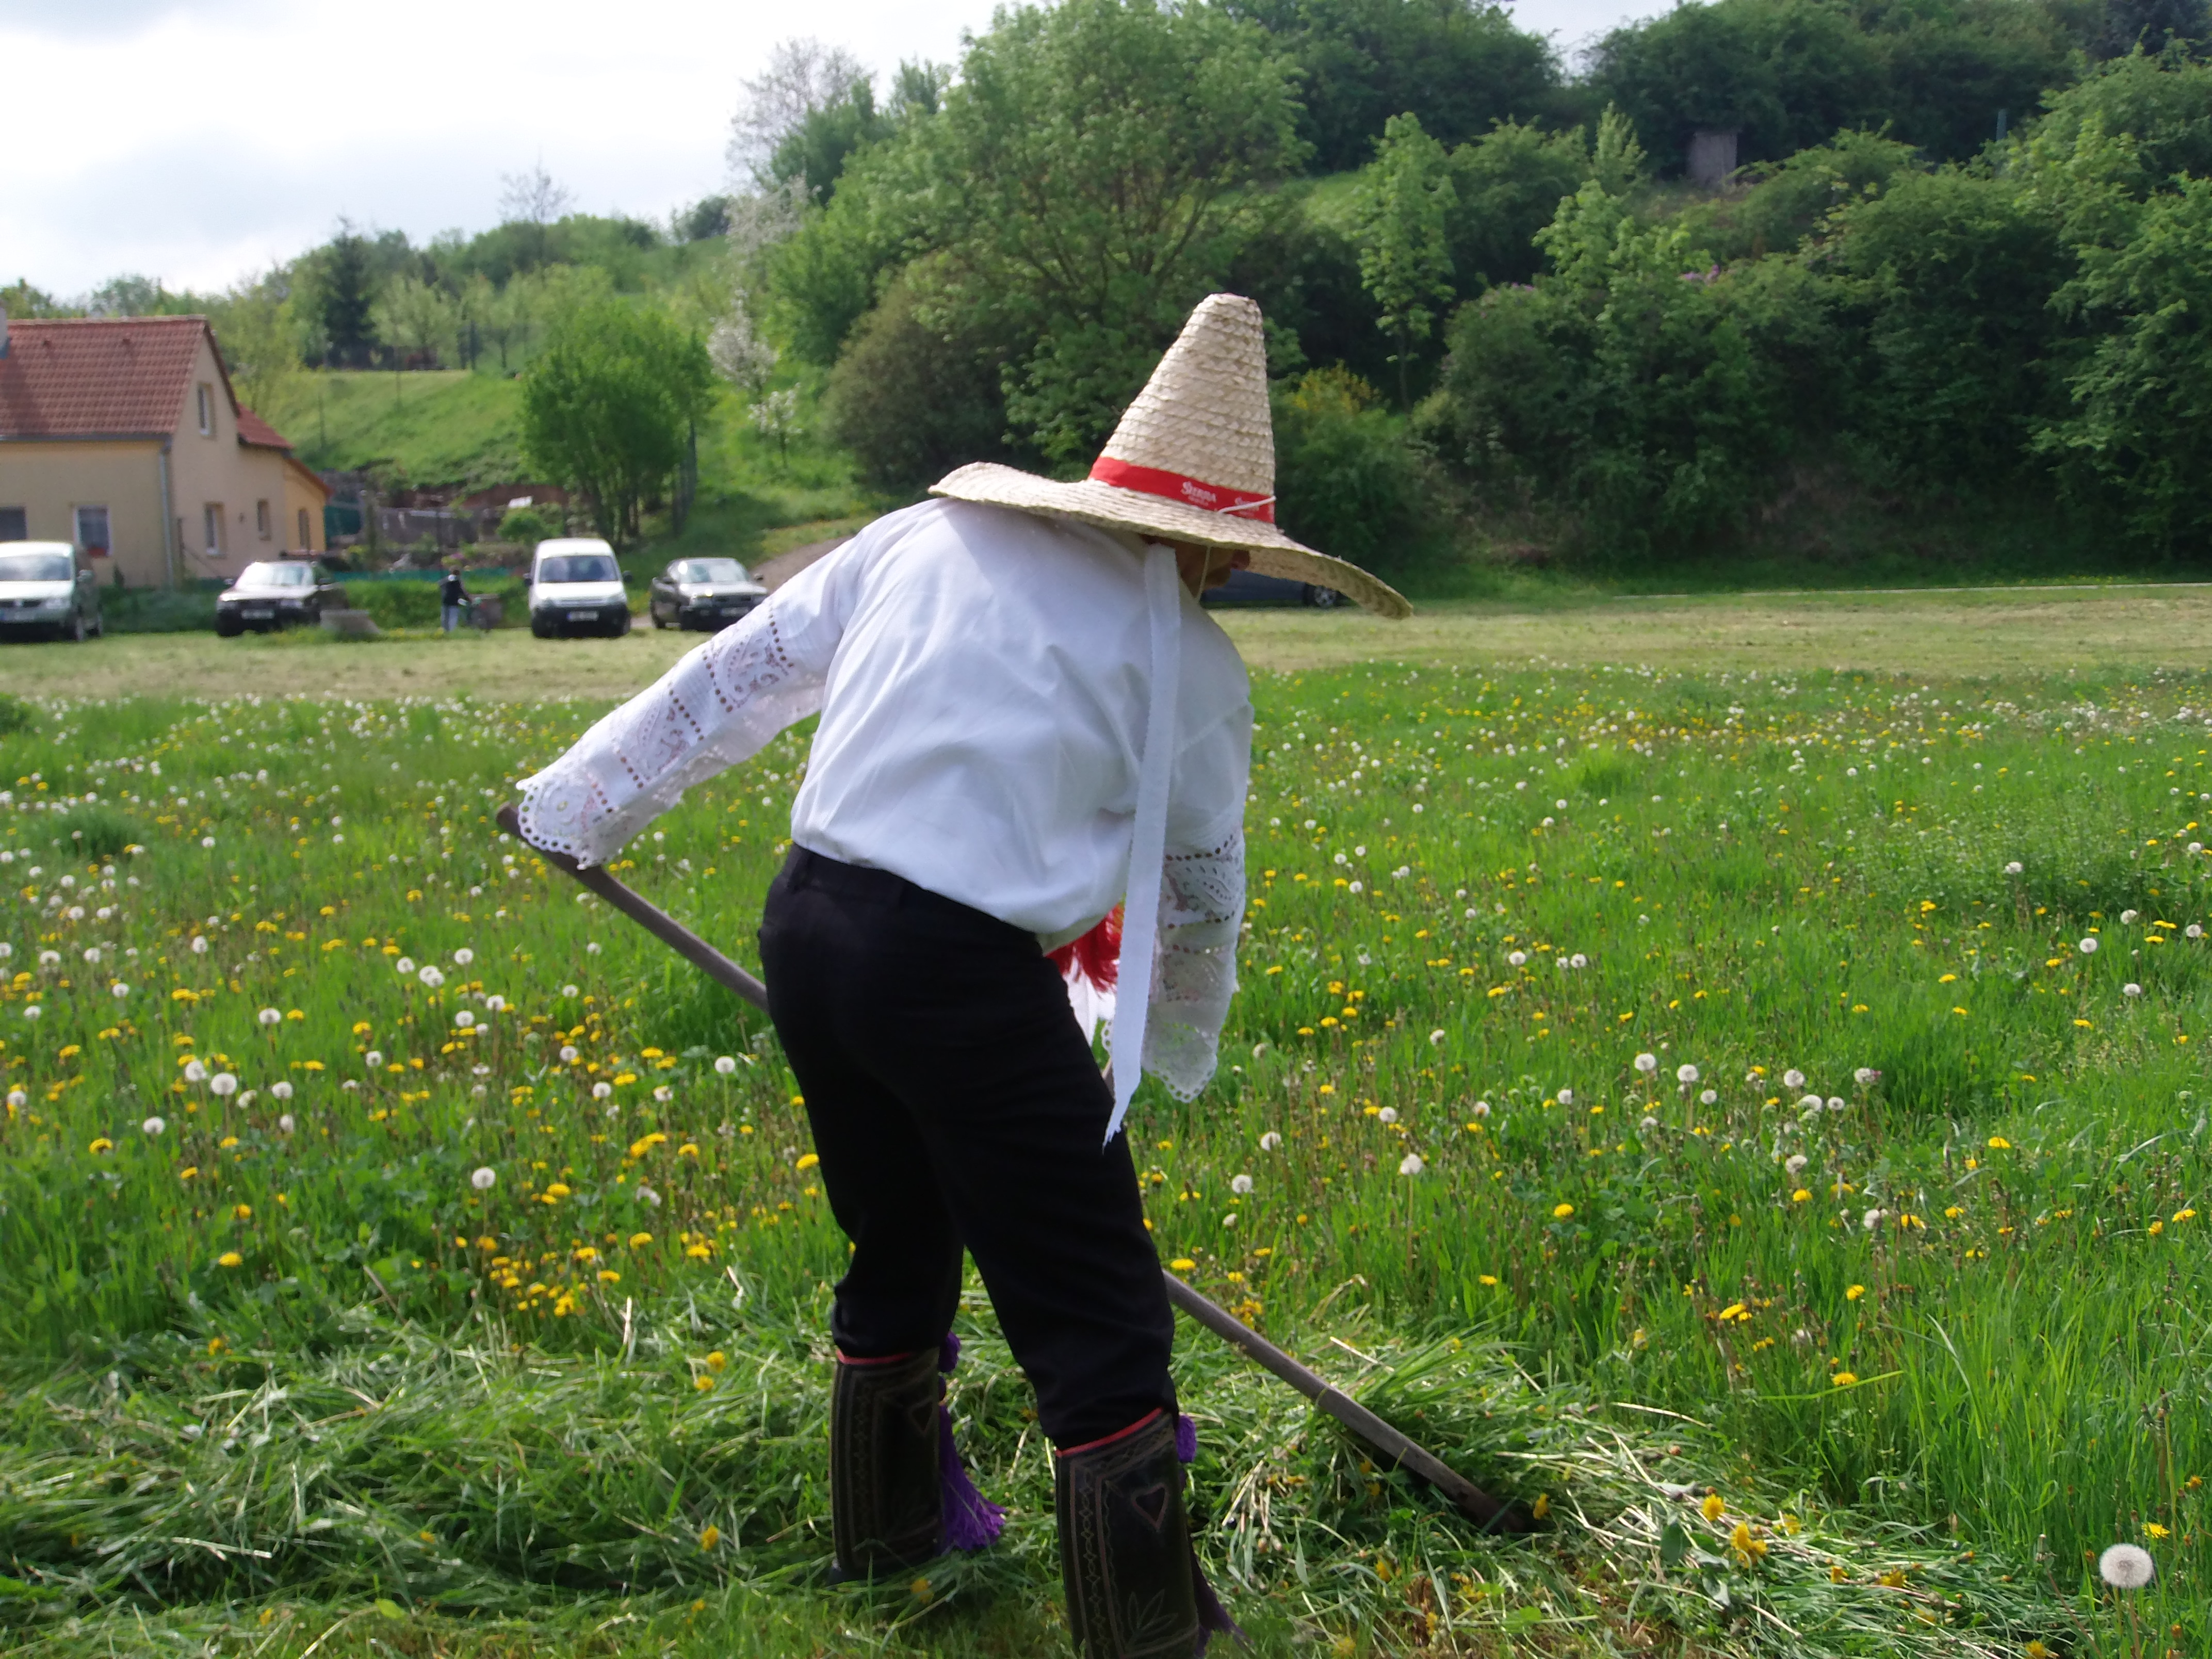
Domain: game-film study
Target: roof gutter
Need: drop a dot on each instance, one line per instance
(168, 516)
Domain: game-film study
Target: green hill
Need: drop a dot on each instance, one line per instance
(442, 427)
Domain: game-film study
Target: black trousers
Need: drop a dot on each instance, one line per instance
(955, 1103)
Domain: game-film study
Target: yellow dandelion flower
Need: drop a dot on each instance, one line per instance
(709, 1537)
(1852, 1293)
(1842, 1380)
(1713, 1507)
(230, 1259)
(639, 1241)
(1999, 1144)
(1183, 1264)
(1561, 1212)
(101, 1143)
(806, 1161)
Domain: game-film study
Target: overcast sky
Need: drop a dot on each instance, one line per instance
(199, 141)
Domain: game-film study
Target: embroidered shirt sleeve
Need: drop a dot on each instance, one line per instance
(1195, 970)
(719, 705)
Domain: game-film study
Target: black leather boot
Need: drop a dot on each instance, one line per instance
(1125, 1544)
(886, 1509)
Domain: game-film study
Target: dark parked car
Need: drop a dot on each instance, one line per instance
(1250, 587)
(274, 593)
(709, 593)
(46, 587)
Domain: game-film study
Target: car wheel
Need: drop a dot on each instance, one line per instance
(538, 630)
(228, 627)
(1323, 599)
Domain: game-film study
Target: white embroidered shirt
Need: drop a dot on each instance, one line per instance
(983, 678)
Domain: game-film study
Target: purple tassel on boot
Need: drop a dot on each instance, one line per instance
(1214, 1618)
(971, 1521)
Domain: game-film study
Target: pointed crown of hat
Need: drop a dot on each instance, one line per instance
(1202, 420)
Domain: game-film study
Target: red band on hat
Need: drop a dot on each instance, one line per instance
(1191, 492)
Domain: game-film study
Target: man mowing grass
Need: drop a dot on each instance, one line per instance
(1026, 719)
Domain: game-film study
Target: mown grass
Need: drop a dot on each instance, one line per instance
(306, 1369)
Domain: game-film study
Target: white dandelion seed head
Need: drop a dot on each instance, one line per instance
(465, 1020)
(405, 965)
(1240, 1184)
(1229, 1220)
(724, 1065)
(601, 1090)
(1435, 1039)
(1811, 1104)
(1388, 1115)
(199, 945)
(569, 1054)
(1796, 1162)
(154, 1125)
(432, 977)
(1711, 1097)
(1578, 960)
(223, 1083)
(1357, 887)
(207, 840)
(92, 953)
(2132, 990)
(2128, 918)
(119, 991)
(1793, 1078)
(375, 1057)
(1515, 959)
(268, 1017)
(2012, 868)
(649, 1196)
(497, 1005)
(1872, 1219)
(1838, 1104)
(2193, 931)
(1686, 1074)
(482, 1179)
(280, 1090)
(32, 1011)
(2087, 946)
(663, 1094)
(1411, 1164)
(1566, 1096)
(2126, 1567)
(50, 959)
(479, 1092)
(194, 1072)
(17, 1097)
(1866, 1077)
(464, 956)
(592, 949)
(569, 991)
(479, 1071)
(286, 1123)
(1647, 1125)
(1647, 1063)
(1270, 1141)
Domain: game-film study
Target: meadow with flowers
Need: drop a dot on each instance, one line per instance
(1756, 1118)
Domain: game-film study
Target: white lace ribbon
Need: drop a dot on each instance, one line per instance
(1148, 836)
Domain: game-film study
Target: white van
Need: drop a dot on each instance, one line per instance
(575, 583)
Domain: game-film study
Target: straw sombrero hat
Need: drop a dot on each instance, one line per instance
(1193, 460)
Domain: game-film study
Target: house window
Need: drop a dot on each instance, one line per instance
(211, 516)
(307, 542)
(261, 520)
(92, 530)
(207, 410)
(14, 525)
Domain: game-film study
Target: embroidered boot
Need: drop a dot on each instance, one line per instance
(1125, 1551)
(886, 1509)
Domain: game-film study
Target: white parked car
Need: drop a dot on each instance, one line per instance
(575, 583)
(46, 587)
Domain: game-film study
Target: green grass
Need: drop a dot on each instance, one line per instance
(419, 1417)
(428, 428)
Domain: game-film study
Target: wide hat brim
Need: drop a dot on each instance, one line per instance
(1111, 507)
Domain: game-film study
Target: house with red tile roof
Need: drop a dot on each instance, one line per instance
(123, 436)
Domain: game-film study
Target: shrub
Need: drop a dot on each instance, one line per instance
(910, 404)
(528, 526)
(158, 611)
(396, 605)
(16, 714)
(1351, 481)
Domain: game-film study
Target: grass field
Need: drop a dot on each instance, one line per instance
(1754, 1109)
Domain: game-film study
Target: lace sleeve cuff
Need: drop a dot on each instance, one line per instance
(1194, 973)
(721, 703)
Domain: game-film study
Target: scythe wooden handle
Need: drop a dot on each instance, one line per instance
(1387, 1445)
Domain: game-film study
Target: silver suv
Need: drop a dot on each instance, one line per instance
(46, 587)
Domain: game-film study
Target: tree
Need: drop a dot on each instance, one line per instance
(802, 77)
(1405, 263)
(1459, 65)
(533, 202)
(610, 406)
(2151, 26)
(414, 319)
(344, 295)
(257, 328)
(1089, 179)
(738, 353)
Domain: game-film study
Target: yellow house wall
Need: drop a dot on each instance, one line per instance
(301, 494)
(50, 481)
